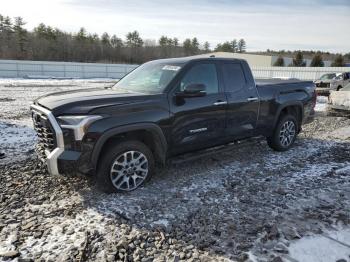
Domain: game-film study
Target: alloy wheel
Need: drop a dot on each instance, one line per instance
(129, 170)
(287, 133)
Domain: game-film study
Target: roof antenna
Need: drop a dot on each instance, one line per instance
(212, 56)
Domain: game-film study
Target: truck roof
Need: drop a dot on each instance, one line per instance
(196, 58)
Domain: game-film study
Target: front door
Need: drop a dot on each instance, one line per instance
(198, 122)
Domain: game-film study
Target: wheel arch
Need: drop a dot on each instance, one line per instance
(294, 108)
(148, 133)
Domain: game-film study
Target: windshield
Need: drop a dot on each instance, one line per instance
(327, 76)
(339, 77)
(151, 77)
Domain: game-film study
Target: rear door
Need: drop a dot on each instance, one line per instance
(242, 98)
(198, 122)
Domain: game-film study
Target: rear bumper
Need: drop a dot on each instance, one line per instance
(323, 90)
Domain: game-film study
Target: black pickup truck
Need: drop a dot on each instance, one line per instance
(162, 109)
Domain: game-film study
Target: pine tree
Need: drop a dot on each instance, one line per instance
(175, 41)
(347, 56)
(133, 39)
(234, 46)
(241, 48)
(338, 61)
(116, 42)
(187, 46)
(224, 47)
(169, 42)
(40, 30)
(298, 60)
(317, 61)
(2, 19)
(105, 39)
(206, 47)
(80, 36)
(279, 61)
(21, 36)
(163, 41)
(7, 29)
(195, 46)
(7, 24)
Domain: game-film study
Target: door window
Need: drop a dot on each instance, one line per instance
(234, 78)
(202, 74)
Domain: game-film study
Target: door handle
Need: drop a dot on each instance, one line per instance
(251, 99)
(220, 103)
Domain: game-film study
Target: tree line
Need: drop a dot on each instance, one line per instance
(317, 60)
(52, 44)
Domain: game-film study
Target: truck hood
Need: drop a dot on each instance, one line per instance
(83, 101)
(324, 81)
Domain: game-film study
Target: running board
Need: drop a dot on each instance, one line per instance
(214, 150)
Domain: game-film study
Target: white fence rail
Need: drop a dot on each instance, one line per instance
(303, 73)
(19, 68)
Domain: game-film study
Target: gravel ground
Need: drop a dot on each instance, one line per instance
(225, 207)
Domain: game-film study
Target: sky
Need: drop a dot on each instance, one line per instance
(265, 24)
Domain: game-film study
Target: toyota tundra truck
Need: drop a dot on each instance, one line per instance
(163, 109)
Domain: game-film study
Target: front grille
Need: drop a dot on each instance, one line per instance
(323, 84)
(45, 132)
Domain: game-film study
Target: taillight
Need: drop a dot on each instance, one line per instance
(314, 99)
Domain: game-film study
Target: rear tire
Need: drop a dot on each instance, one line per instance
(125, 167)
(339, 88)
(284, 134)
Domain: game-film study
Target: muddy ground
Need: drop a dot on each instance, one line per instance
(247, 203)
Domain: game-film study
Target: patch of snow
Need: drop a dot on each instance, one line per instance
(319, 169)
(163, 222)
(321, 104)
(342, 133)
(17, 139)
(321, 107)
(16, 95)
(344, 170)
(322, 248)
(322, 99)
(8, 244)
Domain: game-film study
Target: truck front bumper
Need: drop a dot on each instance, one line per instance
(59, 160)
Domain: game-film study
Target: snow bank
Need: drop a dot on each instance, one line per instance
(340, 98)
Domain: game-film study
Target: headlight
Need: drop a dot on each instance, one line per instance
(78, 123)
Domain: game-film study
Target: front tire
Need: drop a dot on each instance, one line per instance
(125, 167)
(284, 134)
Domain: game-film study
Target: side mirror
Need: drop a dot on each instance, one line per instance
(193, 90)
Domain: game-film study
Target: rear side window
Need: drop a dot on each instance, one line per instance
(234, 78)
(202, 74)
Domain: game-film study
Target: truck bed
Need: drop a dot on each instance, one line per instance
(273, 81)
